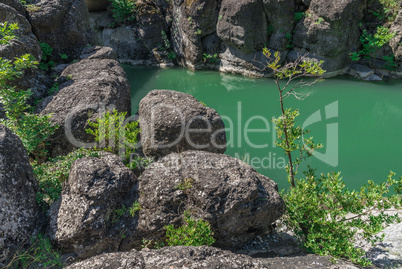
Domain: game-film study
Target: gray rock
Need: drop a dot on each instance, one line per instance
(281, 16)
(202, 257)
(18, 207)
(15, 4)
(174, 122)
(134, 43)
(197, 257)
(330, 31)
(373, 77)
(62, 24)
(84, 220)
(117, 260)
(192, 21)
(243, 25)
(396, 42)
(97, 83)
(238, 202)
(24, 43)
(247, 64)
(360, 71)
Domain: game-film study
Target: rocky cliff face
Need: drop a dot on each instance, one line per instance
(229, 35)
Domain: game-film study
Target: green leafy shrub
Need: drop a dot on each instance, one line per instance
(372, 44)
(192, 233)
(7, 32)
(52, 174)
(299, 16)
(45, 62)
(208, 58)
(124, 10)
(318, 211)
(31, 128)
(114, 135)
(40, 254)
(318, 208)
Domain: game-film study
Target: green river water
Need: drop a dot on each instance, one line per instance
(360, 123)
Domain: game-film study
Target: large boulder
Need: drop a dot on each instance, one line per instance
(85, 220)
(174, 122)
(330, 31)
(120, 260)
(252, 64)
(202, 258)
(24, 43)
(280, 15)
(134, 42)
(18, 207)
(198, 257)
(243, 24)
(96, 83)
(193, 22)
(63, 25)
(238, 202)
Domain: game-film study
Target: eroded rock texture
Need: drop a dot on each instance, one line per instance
(18, 207)
(84, 220)
(97, 82)
(174, 122)
(238, 202)
(63, 25)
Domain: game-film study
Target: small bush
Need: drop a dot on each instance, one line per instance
(40, 254)
(31, 128)
(318, 208)
(192, 233)
(124, 10)
(52, 174)
(116, 136)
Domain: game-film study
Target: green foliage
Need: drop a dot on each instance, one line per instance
(63, 56)
(390, 61)
(124, 10)
(134, 208)
(40, 254)
(118, 213)
(46, 63)
(185, 185)
(319, 208)
(7, 32)
(270, 29)
(299, 16)
(372, 44)
(198, 32)
(293, 140)
(171, 55)
(165, 39)
(192, 233)
(289, 37)
(319, 20)
(32, 129)
(208, 58)
(318, 211)
(52, 174)
(114, 135)
(388, 10)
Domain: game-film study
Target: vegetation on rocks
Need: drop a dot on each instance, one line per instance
(326, 217)
(51, 175)
(31, 128)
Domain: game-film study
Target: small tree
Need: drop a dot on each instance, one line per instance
(318, 208)
(290, 138)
